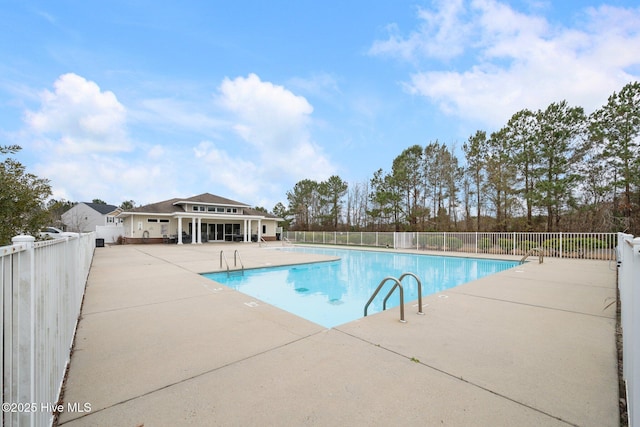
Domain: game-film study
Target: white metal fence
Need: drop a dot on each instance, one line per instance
(562, 245)
(604, 246)
(629, 287)
(42, 289)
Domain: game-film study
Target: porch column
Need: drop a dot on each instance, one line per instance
(247, 229)
(259, 230)
(194, 224)
(179, 230)
(199, 230)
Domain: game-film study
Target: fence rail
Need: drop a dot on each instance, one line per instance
(629, 287)
(42, 286)
(599, 246)
(562, 245)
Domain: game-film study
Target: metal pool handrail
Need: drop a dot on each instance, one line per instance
(384, 304)
(222, 255)
(531, 252)
(236, 258)
(397, 285)
(235, 262)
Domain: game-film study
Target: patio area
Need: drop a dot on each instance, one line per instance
(160, 345)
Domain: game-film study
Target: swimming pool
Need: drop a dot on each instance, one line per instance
(331, 293)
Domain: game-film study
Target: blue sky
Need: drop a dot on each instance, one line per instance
(146, 100)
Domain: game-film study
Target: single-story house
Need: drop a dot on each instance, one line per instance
(198, 219)
(84, 217)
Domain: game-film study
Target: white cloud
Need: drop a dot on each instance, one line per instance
(275, 122)
(442, 34)
(241, 176)
(320, 85)
(262, 106)
(252, 148)
(518, 60)
(171, 114)
(80, 137)
(77, 117)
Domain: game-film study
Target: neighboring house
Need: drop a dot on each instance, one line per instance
(84, 217)
(217, 219)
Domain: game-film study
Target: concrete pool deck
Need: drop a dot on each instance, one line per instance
(160, 345)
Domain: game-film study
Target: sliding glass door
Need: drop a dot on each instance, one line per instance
(216, 232)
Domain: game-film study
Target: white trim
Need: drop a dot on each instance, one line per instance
(191, 202)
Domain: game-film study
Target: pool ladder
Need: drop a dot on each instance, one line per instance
(533, 251)
(397, 284)
(236, 258)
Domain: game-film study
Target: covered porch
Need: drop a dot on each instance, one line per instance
(201, 229)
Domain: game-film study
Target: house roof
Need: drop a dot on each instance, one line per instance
(207, 198)
(175, 205)
(165, 206)
(102, 208)
(256, 212)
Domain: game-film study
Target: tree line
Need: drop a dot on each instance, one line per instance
(554, 169)
(25, 204)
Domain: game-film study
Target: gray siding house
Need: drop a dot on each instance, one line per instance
(84, 217)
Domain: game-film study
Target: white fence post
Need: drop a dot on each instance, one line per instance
(42, 284)
(628, 283)
(22, 363)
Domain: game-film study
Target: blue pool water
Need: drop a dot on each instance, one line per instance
(335, 292)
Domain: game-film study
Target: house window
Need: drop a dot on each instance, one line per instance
(164, 220)
(195, 209)
(152, 220)
(211, 209)
(220, 210)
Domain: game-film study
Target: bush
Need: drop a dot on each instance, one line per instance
(385, 240)
(506, 245)
(433, 241)
(369, 239)
(453, 243)
(485, 244)
(527, 245)
(574, 244)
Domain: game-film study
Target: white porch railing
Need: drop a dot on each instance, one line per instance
(42, 287)
(629, 287)
(562, 245)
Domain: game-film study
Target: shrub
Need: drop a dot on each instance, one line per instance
(354, 238)
(453, 243)
(574, 244)
(485, 244)
(369, 239)
(432, 241)
(527, 245)
(385, 240)
(505, 244)
(551, 244)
